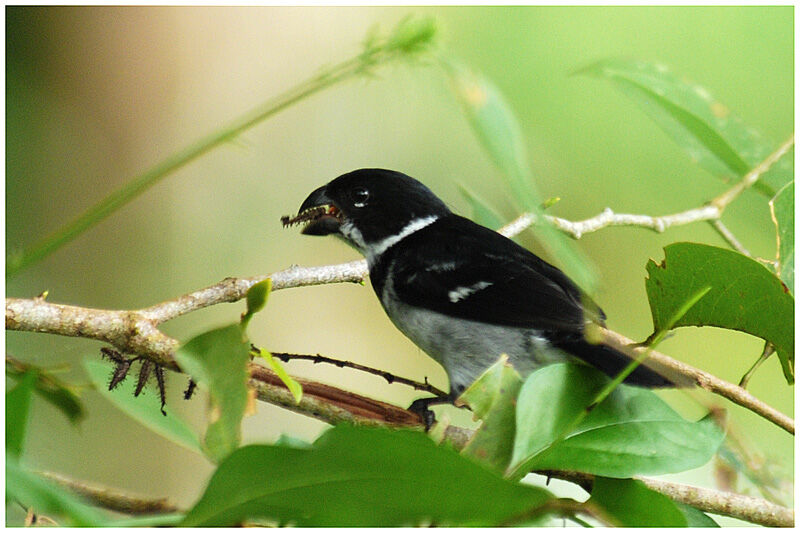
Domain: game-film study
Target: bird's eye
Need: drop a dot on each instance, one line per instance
(360, 197)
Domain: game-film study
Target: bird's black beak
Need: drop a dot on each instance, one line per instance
(320, 212)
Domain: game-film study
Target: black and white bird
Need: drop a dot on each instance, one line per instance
(461, 292)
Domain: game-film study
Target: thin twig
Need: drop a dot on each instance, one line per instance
(753, 510)
(710, 212)
(728, 235)
(113, 499)
(707, 381)
(406, 40)
(388, 376)
(749, 179)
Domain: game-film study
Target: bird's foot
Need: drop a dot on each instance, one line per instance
(421, 407)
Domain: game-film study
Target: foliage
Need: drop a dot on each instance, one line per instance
(744, 295)
(358, 476)
(703, 127)
(631, 432)
(559, 418)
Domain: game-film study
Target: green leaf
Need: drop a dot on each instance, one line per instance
(497, 129)
(360, 476)
(701, 126)
(156, 520)
(145, 409)
(631, 504)
(744, 295)
(631, 432)
(294, 387)
(492, 398)
(782, 209)
(218, 359)
(499, 132)
(48, 498)
(695, 517)
(256, 300)
(51, 389)
(18, 403)
(482, 213)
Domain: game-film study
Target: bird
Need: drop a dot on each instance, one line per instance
(461, 292)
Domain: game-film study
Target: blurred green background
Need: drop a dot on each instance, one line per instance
(96, 95)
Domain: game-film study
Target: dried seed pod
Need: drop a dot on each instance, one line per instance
(144, 375)
(120, 373)
(162, 389)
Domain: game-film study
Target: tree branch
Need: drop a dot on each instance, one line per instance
(134, 332)
(113, 499)
(712, 211)
(388, 376)
(711, 383)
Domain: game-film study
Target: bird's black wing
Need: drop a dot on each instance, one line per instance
(461, 269)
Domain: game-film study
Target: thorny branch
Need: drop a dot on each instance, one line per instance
(388, 376)
(136, 331)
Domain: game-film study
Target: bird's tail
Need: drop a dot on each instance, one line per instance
(611, 361)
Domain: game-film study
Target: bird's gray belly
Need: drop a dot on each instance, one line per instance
(467, 348)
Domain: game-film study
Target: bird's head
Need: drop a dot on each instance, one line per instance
(369, 208)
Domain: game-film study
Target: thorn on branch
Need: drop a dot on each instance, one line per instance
(389, 377)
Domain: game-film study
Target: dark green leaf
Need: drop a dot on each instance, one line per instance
(744, 295)
(218, 359)
(18, 403)
(48, 498)
(359, 476)
(701, 126)
(493, 398)
(782, 209)
(631, 504)
(631, 432)
(145, 409)
(256, 300)
(498, 130)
